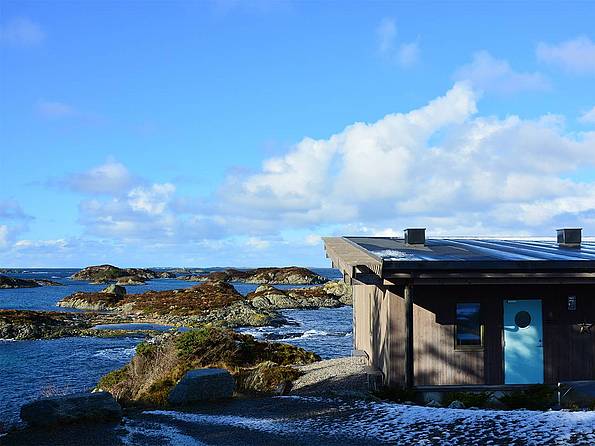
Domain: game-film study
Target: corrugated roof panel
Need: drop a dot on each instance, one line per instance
(395, 252)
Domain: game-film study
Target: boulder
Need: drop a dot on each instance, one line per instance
(202, 385)
(433, 403)
(99, 406)
(456, 404)
(118, 290)
(130, 280)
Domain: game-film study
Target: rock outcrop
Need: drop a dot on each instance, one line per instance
(290, 275)
(202, 385)
(209, 302)
(13, 282)
(116, 289)
(160, 365)
(330, 295)
(46, 412)
(26, 324)
(110, 273)
(130, 281)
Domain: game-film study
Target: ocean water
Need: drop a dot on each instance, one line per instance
(33, 369)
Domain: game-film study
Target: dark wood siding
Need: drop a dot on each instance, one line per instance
(568, 353)
(436, 359)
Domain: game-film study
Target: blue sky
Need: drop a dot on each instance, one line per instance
(238, 133)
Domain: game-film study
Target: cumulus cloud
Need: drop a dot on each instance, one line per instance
(406, 54)
(588, 117)
(151, 200)
(487, 73)
(442, 165)
(439, 166)
(257, 243)
(21, 31)
(575, 56)
(111, 178)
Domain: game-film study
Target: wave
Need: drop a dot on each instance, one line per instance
(115, 354)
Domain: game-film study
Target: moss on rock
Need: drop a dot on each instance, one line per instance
(157, 368)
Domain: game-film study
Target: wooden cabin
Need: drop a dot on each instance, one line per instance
(471, 312)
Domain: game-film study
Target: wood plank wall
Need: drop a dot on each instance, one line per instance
(379, 330)
(569, 354)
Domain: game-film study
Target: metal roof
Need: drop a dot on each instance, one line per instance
(481, 254)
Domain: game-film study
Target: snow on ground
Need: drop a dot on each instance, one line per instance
(400, 424)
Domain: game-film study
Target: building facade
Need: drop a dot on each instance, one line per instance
(471, 312)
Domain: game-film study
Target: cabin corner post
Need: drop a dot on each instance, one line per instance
(409, 373)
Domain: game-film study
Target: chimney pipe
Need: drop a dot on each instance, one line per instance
(415, 236)
(569, 237)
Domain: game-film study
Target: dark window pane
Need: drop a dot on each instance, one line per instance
(468, 325)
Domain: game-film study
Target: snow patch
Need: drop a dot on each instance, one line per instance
(396, 423)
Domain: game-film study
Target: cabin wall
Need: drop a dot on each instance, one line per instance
(436, 360)
(375, 330)
(569, 354)
(379, 329)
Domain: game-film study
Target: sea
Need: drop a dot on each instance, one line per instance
(38, 368)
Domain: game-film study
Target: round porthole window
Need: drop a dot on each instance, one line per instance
(522, 319)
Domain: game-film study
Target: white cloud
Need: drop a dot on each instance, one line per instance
(29, 244)
(576, 55)
(21, 32)
(387, 34)
(313, 240)
(588, 117)
(442, 166)
(257, 243)
(54, 109)
(152, 200)
(111, 177)
(486, 73)
(406, 54)
(437, 166)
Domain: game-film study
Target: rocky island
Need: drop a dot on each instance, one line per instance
(210, 302)
(128, 276)
(13, 282)
(289, 275)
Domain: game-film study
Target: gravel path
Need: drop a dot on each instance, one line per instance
(344, 377)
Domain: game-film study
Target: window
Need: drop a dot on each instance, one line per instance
(469, 331)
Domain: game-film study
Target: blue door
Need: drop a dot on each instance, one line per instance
(523, 342)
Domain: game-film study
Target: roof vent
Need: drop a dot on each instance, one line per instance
(570, 237)
(415, 236)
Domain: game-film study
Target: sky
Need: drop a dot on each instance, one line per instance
(238, 133)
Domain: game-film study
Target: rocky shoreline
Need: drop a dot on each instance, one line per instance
(22, 325)
(110, 273)
(290, 275)
(214, 301)
(210, 310)
(13, 282)
(211, 302)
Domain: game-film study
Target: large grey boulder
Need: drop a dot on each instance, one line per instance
(99, 406)
(202, 385)
(118, 290)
